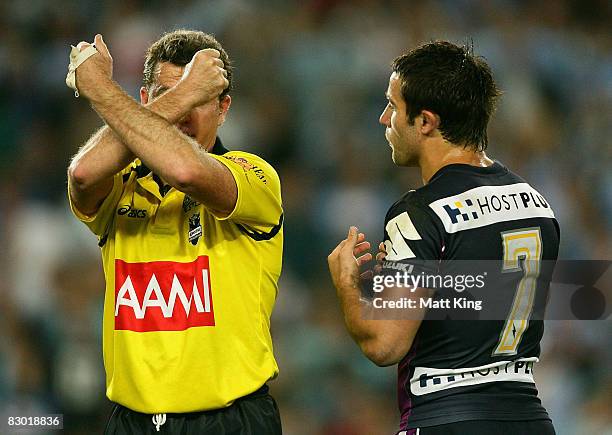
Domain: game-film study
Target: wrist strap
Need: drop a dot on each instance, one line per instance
(76, 59)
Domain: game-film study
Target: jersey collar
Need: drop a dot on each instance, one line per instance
(496, 168)
(218, 148)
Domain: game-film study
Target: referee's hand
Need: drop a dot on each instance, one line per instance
(205, 77)
(95, 72)
(347, 257)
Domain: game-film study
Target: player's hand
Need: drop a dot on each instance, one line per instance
(347, 257)
(380, 257)
(97, 71)
(204, 78)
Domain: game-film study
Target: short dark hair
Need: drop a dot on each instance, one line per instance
(453, 83)
(178, 48)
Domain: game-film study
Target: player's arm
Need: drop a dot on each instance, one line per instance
(384, 342)
(151, 135)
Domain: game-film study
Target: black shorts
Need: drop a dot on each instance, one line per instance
(255, 414)
(487, 427)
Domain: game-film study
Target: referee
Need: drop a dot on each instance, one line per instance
(191, 239)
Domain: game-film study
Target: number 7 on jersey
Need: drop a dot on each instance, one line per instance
(522, 253)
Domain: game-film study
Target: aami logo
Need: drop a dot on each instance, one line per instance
(163, 295)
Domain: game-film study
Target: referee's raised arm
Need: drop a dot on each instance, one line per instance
(91, 171)
(175, 153)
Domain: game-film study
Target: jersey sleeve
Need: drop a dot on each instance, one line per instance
(99, 221)
(259, 205)
(411, 233)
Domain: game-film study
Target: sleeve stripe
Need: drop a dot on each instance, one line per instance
(260, 236)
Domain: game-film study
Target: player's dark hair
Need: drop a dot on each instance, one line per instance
(453, 83)
(178, 48)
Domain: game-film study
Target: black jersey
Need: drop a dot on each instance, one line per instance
(462, 370)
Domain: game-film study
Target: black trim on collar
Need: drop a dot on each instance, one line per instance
(218, 148)
(260, 237)
(163, 188)
(103, 240)
(141, 170)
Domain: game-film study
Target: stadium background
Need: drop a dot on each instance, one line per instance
(310, 78)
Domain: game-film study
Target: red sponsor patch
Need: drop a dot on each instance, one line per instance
(163, 295)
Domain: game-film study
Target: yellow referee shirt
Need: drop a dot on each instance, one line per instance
(188, 294)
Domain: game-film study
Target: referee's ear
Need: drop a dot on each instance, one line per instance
(224, 105)
(144, 95)
(429, 122)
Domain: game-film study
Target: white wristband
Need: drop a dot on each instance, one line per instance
(77, 58)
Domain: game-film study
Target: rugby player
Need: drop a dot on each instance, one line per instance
(454, 376)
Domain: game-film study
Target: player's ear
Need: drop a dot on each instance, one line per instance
(144, 95)
(430, 122)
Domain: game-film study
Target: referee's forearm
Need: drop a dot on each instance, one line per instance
(91, 171)
(102, 156)
(149, 135)
(105, 154)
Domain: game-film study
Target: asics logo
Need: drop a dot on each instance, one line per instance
(131, 212)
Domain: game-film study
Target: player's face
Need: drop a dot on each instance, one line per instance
(402, 137)
(201, 122)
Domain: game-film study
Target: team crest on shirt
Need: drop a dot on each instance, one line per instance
(195, 229)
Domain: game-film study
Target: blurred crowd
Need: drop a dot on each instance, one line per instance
(310, 80)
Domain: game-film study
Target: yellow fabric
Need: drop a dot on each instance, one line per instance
(200, 367)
